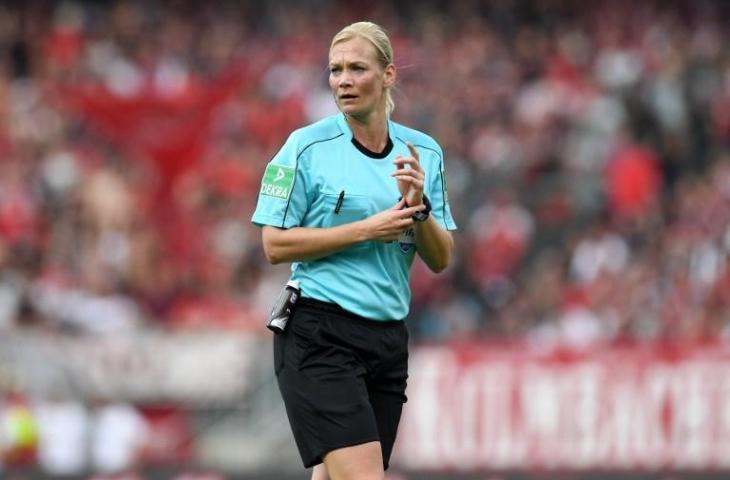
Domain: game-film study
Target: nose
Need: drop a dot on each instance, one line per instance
(345, 79)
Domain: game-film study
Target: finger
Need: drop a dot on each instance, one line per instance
(414, 182)
(408, 171)
(404, 162)
(410, 211)
(404, 224)
(414, 152)
(408, 223)
(407, 175)
(399, 205)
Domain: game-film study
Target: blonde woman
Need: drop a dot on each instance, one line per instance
(349, 201)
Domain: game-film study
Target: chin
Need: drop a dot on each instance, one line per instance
(353, 111)
(350, 112)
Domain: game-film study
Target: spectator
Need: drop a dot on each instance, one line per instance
(63, 425)
(562, 114)
(588, 150)
(118, 436)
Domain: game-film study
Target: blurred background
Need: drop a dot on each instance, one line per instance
(583, 330)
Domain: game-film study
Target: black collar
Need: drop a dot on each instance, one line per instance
(386, 151)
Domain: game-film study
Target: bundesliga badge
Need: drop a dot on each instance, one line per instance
(407, 240)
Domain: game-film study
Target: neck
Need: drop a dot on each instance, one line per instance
(371, 132)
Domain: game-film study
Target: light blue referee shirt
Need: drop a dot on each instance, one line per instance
(301, 187)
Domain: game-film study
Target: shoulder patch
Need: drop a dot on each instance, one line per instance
(278, 181)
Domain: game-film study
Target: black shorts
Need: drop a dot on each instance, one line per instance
(342, 378)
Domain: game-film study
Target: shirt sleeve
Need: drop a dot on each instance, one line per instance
(438, 194)
(282, 200)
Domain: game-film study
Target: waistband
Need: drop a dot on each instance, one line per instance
(338, 310)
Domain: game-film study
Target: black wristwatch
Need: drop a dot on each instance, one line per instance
(423, 215)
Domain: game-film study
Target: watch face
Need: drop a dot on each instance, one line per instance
(420, 216)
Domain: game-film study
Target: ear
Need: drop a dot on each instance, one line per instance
(389, 76)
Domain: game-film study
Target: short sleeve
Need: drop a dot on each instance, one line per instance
(282, 200)
(438, 194)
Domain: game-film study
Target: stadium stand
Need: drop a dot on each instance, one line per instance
(588, 158)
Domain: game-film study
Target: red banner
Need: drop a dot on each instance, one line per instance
(170, 131)
(488, 407)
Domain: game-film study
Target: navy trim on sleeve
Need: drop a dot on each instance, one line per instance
(443, 192)
(441, 174)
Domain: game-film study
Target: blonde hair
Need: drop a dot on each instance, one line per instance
(374, 34)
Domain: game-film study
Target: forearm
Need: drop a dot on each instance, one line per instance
(300, 244)
(434, 244)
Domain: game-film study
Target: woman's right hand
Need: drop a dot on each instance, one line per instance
(389, 224)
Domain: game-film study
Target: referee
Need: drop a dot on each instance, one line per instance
(349, 201)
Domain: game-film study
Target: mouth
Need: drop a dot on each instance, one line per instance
(347, 96)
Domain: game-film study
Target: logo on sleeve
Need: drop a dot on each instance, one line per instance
(407, 240)
(278, 181)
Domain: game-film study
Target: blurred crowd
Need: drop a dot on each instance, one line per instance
(65, 438)
(587, 152)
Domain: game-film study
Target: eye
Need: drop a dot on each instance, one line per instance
(335, 69)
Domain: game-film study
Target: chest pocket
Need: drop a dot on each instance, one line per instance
(352, 209)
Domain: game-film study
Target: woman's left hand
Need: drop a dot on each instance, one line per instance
(410, 177)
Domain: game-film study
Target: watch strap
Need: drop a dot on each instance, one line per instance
(423, 215)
